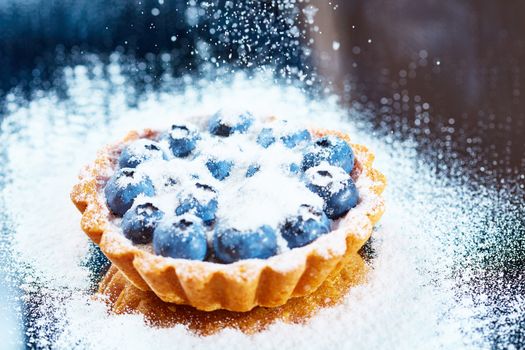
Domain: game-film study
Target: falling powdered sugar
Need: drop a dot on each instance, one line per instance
(413, 296)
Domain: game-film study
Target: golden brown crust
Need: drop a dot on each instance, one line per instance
(122, 297)
(243, 285)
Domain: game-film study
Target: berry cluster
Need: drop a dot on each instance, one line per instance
(193, 230)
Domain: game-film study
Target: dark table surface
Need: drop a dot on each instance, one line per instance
(448, 74)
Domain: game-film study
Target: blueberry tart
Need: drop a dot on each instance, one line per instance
(230, 211)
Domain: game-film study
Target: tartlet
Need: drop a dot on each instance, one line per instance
(242, 285)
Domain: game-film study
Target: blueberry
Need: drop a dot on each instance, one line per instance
(306, 227)
(220, 169)
(202, 203)
(139, 152)
(139, 223)
(336, 187)
(123, 187)
(331, 149)
(222, 124)
(265, 137)
(231, 245)
(182, 140)
(252, 169)
(294, 139)
(180, 238)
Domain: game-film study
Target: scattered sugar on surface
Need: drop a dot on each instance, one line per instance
(413, 297)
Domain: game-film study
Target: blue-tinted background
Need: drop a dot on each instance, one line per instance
(465, 58)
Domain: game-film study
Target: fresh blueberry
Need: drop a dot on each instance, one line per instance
(306, 227)
(220, 169)
(139, 223)
(182, 140)
(252, 169)
(202, 203)
(231, 245)
(336, 187)
(222, 124)
(180, 238)
(294, 139)
(265, 137)
(123, 187)
(331, 149)
(139, 152)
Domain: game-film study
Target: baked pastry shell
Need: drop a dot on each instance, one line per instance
(242, 285)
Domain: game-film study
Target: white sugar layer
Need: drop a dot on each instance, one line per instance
(408, 300)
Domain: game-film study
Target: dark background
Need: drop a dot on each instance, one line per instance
(449, 74)
(464, 58)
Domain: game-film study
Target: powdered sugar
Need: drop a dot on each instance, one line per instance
(232, 116)
(412, 298)
(267, 197)
(327, 176)
(179, 133)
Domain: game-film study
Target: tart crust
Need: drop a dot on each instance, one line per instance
(122, 297)
(242, 285)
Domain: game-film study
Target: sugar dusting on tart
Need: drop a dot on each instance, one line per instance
(247, 283)
(429, 232)
(266, 198)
